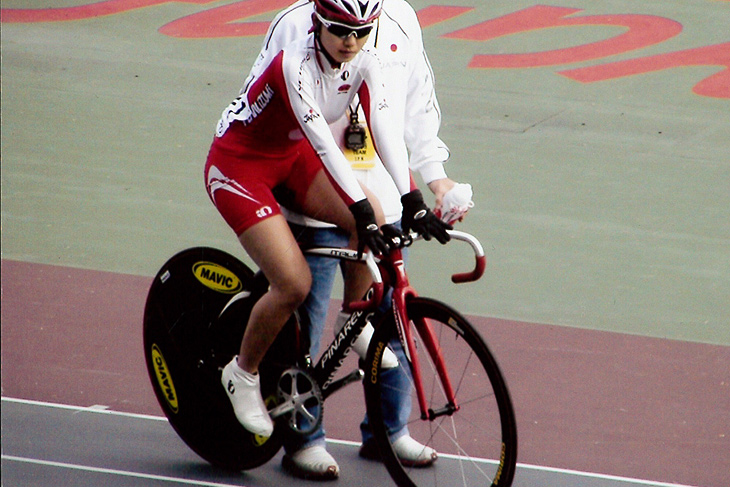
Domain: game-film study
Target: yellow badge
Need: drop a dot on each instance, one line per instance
(362, 159)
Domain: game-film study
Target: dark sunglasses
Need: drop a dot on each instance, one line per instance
(343, 31)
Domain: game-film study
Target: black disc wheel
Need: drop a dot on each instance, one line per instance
(196, 312)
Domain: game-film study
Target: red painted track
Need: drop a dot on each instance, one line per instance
(591, 401)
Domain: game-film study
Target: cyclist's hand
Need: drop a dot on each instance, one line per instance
(419, 218)
(394, 236)
(455, 203)
(368, 234)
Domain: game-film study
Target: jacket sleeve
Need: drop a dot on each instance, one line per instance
(428, 152)
(386, 132)
(289, 25)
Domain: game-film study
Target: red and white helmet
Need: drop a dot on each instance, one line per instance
(350, 12)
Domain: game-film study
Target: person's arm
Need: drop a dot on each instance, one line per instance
(391, 149)
(422, 123)
(384, 127)
(422, 117)
(299, 86)
(428, 152)
(306, 110)
(291, 24)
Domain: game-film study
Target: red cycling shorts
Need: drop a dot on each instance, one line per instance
(239, 178)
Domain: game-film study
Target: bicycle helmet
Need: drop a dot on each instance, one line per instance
(350, 12)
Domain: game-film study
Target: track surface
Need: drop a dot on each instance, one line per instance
(590, 401)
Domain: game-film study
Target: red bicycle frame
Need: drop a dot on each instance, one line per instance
(402, 291)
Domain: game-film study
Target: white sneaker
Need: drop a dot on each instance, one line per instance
(312, 463)
(244, 392)
(389, 361)
(413, 454)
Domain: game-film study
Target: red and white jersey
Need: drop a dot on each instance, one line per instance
(398, 42)
(297, 94)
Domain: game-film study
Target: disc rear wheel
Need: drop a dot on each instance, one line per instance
(189, 338)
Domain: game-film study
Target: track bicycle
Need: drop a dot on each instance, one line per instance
(195, 315)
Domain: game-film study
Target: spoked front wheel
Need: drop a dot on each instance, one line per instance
(476, 438)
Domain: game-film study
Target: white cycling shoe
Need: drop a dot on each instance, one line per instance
(244, 392)
(313, 463)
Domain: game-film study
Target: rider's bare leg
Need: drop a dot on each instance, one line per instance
(273, 248)
(275, 251)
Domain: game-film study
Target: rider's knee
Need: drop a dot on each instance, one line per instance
(296, 290)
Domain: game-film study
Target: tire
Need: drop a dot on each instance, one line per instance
(476, 444)
(188, 340)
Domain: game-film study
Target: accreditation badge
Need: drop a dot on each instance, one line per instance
(364, 158)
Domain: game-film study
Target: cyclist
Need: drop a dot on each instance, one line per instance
(275, 133)
(396, 39)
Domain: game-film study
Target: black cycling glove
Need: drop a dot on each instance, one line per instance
(419, 218)
(368, 233)
(394, 236)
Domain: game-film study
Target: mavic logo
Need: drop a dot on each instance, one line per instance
(264, 211)
(162, 372)
(217, 277)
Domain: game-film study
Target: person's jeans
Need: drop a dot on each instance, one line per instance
(396, 386)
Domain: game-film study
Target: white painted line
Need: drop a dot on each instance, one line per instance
(80, 409)
(616, 478)
(111, 471)
(97, 409)
(562, 471)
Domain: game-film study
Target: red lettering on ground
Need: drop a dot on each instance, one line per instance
(80, 12)
(221, 21)
(435, 14)
(716, 86)
(643, 31)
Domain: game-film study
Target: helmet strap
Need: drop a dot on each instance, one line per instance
(318, 43)
(315, 25)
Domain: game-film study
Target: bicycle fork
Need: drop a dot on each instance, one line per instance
(403, 291)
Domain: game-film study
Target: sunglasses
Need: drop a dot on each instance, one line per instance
(343, 31)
